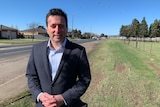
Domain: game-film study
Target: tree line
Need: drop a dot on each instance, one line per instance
(141, 29)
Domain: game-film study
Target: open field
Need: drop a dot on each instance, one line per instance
(122, 76)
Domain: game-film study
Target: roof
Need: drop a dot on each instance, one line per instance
(42, 31)
(7, 28)
(39, 30)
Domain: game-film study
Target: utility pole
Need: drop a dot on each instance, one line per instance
(72, 21)
(90, 31)
(72, 26)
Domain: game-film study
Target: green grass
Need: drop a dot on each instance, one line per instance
(122, 76)
(148, 47)
(19, 41)
(19, 101)
(24, 41)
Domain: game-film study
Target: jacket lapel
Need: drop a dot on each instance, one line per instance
(65, 56)
(46, 60)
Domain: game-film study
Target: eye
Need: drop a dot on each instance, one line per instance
(53, 26)
(61, 26)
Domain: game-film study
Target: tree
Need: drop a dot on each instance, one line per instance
(155, 29)
(86, 35)
(76, 33)
(33, 26)
(41, 27)
(102, 35)
(79, 34)
(135, 29)
(143, 28)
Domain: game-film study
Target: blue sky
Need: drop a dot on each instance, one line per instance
(96, 16)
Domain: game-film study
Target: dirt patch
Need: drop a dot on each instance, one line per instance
(155, 68)
(90, 45)
(119, 67)
(97, 78)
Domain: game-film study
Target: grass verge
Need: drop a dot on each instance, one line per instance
(122, 76)
(19, 41)
(24, 99)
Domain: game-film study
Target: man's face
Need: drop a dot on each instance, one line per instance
(56, 28)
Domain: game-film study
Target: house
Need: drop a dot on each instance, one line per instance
(40, 30)
(8, 32)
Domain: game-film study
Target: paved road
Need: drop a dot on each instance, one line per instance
(12, 78)
(13, 67)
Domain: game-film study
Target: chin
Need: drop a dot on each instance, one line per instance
(57, 39)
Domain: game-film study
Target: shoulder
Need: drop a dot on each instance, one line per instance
(74, 46)
(41, 44)
(39, 48)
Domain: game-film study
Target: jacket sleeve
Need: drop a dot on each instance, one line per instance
(31, 74)
(83, 80)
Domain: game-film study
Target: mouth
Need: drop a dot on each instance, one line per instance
(56, 35)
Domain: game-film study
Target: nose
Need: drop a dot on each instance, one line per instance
(57, 29)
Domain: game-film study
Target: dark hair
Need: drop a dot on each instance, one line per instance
(59, 12)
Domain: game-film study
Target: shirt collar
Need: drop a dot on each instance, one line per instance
(62, 46)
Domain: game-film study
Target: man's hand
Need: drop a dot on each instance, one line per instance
(48, 100)
(51, 100)
(59, 100)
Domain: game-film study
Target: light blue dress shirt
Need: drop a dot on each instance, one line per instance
(55, 57)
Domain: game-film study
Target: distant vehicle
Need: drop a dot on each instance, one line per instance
(97, 38)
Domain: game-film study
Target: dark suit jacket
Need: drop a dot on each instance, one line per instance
(74, 63)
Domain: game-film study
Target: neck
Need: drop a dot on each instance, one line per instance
(56, 45)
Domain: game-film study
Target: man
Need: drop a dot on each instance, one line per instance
(58, 70)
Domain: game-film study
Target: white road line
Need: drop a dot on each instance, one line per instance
(12, 80)
(18, 47)
(14, 52)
